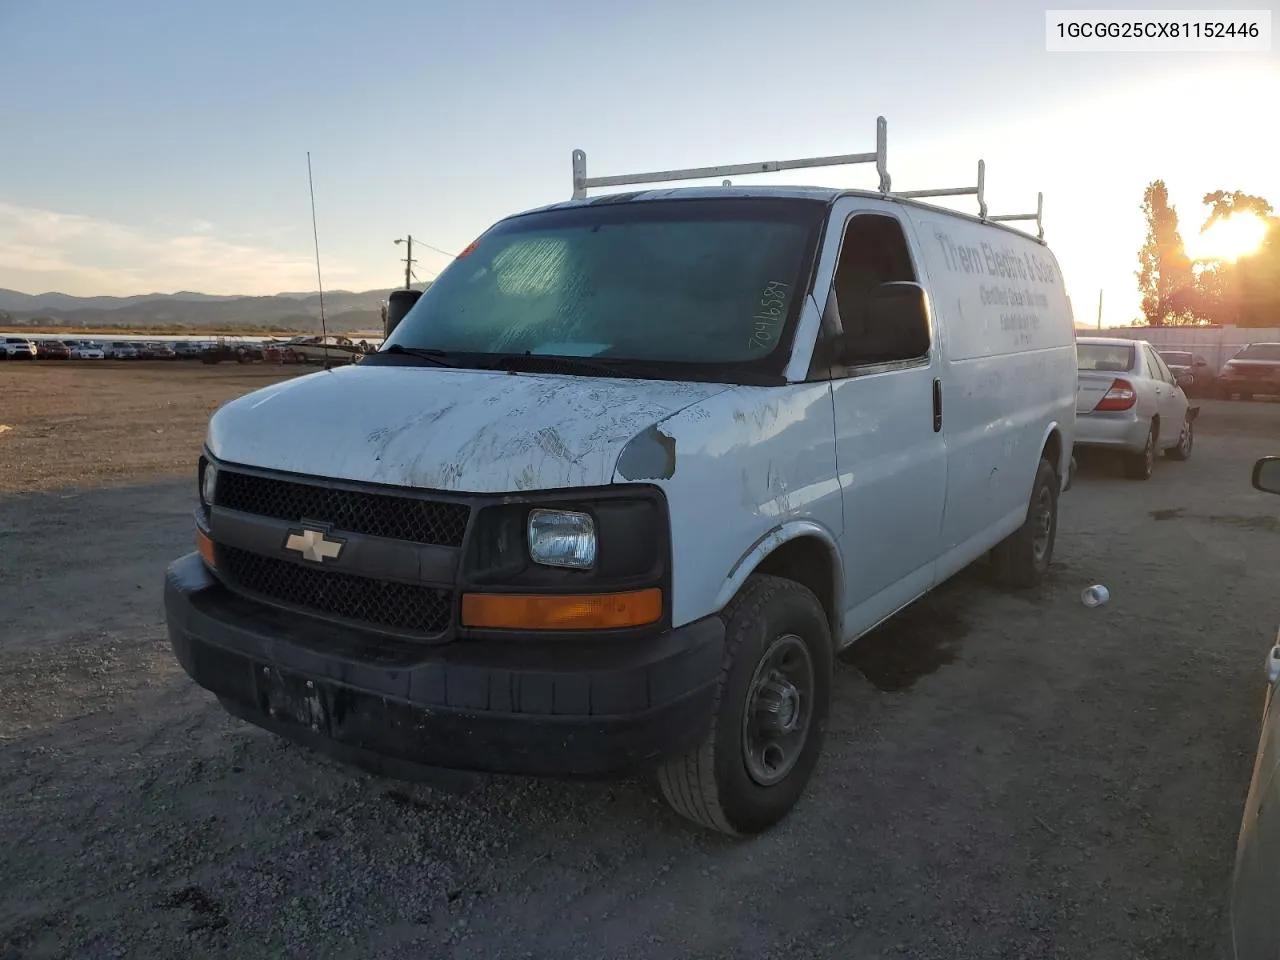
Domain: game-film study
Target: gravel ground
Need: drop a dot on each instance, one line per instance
(1005, 776)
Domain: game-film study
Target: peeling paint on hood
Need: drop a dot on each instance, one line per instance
(470, 431)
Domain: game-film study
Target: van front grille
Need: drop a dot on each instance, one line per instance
(376, 514)
(379, 603)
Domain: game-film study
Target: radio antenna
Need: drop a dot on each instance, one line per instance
(315, 233)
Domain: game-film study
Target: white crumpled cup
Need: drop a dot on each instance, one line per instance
(1095, 596)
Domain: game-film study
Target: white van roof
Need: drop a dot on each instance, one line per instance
(823, 194)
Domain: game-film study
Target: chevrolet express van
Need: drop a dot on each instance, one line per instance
(623, 481)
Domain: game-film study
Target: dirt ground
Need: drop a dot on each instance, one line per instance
(81, 423)
(1005, 776)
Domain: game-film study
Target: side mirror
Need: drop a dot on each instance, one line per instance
(1266, 475)
(399, 303)
(897, 326)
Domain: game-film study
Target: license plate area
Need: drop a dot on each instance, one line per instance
(293, 699)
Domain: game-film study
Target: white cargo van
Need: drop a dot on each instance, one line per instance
(626, 476)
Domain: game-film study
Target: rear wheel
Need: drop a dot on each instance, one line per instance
(1140, 466)
(1022, 559)
(770, 716)
(1186, 440)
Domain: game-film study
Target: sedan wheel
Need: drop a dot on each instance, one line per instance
(1186, 440)
(1140, 466)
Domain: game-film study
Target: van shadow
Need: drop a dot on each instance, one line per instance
(921, 639)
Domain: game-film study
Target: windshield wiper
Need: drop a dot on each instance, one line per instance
(441, 357)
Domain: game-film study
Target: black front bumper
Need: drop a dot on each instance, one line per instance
(577, 709)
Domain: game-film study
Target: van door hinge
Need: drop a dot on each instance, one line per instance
(937, 405)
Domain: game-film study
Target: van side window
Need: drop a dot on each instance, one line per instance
(874, 251)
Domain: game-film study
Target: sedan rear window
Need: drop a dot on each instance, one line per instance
(1109, 357)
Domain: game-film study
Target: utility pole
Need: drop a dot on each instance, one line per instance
(1099, 309)
(408, 261)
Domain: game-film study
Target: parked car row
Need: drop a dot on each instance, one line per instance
(26, 348)
(328, 350)
(1254, 370)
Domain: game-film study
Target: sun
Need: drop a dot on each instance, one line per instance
(1229, 239)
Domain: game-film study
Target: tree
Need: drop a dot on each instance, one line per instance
(1223, 203)
(1245, 292)
(1164, 270)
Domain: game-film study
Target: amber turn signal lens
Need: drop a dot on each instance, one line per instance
(205, 546)
(600, 611)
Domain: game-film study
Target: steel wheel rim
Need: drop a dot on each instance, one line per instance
(1042, 524)
(779, 710)
(1188, 438)
(1149, 455)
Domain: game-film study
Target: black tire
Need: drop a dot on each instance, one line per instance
(1022, 559)
(1140, 466)
(1186, 441)
(712, 784)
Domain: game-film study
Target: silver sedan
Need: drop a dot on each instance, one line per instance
(1130, 402)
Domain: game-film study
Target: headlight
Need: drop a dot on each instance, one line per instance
(561, 538)
(207, 484)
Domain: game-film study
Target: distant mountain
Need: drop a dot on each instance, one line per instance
(14, 302)
(344, 310)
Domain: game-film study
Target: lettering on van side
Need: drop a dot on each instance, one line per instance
(1021, 325)
(1005, 263)
(769, 315)
(1011, 297)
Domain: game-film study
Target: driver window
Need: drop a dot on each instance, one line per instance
(873, 251)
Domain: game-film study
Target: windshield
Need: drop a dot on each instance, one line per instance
(1259, 351)
(1110, 357)
(1176, 359)
(715, 281)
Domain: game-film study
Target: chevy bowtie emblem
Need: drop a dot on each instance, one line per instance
(314, 545)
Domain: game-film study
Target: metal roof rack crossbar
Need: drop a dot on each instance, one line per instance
(1038, 216)
(582, 183)
(976, 191)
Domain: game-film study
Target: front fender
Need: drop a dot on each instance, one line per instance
(771, 541)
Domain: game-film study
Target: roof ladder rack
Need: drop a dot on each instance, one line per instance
(582, 183)
(1038, 216)
(978, 191)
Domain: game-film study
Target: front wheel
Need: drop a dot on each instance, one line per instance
(1186, 440)
(1022, 559)
(772, 701)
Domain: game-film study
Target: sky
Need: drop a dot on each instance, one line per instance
(161, 145)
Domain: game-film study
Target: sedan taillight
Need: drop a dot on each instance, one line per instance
(1121, 396)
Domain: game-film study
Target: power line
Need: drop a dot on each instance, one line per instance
(444, 253)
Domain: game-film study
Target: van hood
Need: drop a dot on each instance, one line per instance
(466, 431)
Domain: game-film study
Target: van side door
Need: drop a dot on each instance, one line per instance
(890, 455)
